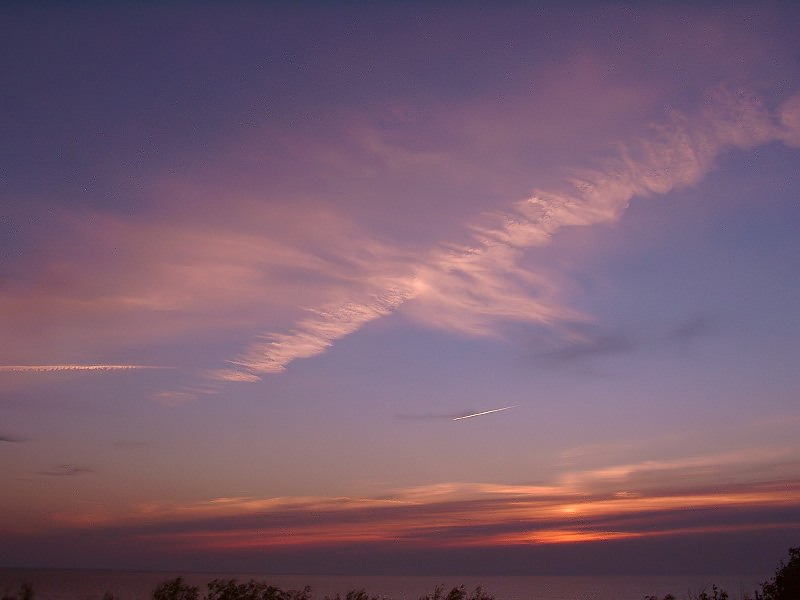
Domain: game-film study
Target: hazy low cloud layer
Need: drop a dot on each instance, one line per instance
(645, 500)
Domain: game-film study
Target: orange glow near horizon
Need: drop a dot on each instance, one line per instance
(446, 518)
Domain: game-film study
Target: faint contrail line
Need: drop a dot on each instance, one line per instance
(55, 368)
(485, 412)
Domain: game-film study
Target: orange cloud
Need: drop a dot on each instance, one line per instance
(574, 509)
(454, 522)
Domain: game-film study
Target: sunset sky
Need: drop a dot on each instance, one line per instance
(257, 259)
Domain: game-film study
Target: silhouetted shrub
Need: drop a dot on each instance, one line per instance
(25, 593)
(785, 585)
(457, 593)
(716, 594)
(354, 595)
(304, 594)
(175, 589)
(479, 595)
(230, 589)
(219, 589)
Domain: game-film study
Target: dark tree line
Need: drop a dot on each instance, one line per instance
(784, 585)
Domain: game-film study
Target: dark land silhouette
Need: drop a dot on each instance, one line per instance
(784, 585)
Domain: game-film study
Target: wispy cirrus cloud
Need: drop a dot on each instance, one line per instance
(472, 289)
(316, 333)
(154, 281)
(330, 278)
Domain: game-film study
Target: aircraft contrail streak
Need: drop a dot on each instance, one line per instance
(485, 412)
(55, 368)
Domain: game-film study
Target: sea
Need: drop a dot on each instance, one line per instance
(131, 585)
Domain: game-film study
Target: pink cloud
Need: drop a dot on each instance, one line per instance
(304, 276)
(471, 289)
(616, 502)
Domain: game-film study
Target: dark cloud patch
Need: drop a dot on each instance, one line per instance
(596, 343)
(592, 346)
(11, 439)
(692, 329)
(65, 470)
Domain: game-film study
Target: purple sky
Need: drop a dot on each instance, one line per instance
(256, 260)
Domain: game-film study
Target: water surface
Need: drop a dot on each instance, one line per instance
(130, 585)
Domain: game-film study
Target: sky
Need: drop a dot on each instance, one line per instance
(406, 287)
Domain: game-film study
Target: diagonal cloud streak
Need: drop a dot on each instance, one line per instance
(316, 333)
(470, 289)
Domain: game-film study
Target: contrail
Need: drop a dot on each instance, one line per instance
(485, 412)
(468, 288)
(56, 368)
